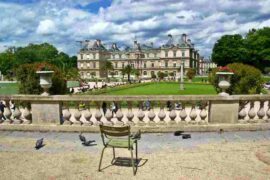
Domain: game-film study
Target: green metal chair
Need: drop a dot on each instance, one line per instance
(119, 137)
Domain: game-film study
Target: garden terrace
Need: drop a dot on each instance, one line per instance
(187, 112)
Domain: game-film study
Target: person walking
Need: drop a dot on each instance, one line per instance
(104, 107)
(2, 106)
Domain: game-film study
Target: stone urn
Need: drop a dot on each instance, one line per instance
(224, 82)
(45, 81)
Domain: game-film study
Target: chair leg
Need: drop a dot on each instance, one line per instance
(101, 157)
(113, 153)
(136, 151)
(132, 162)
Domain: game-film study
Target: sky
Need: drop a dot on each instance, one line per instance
(63, 22)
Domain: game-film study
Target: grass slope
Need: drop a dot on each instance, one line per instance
(8, 88)
(165, 89)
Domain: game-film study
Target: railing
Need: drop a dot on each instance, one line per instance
(136, 110)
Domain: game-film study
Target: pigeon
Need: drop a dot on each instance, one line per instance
(137, 135)
(82, 138)
(186, 136)
(89, 143)
(39, 144)
(178, 133)
(220, 131)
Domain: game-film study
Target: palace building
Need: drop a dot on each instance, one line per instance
(146, 58)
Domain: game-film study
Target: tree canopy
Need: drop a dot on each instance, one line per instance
(33, 53)
(253, 49)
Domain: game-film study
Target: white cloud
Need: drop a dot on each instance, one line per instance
(46, 27)
(204, 21)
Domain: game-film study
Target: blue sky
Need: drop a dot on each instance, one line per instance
(63, 22)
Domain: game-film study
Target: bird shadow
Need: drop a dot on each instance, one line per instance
(39, 147)
(85, 144)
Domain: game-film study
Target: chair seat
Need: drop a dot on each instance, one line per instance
(121, 143)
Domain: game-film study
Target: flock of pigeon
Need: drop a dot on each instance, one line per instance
(137, 135)
(40, 142)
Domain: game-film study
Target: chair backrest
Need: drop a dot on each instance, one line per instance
(115, 131)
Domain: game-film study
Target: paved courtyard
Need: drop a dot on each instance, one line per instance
(229, 155)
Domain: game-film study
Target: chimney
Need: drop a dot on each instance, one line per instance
(114, 46)
(184, 38)
(169, 35)
(98, 42)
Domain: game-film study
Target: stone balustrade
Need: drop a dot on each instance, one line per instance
(182, 110)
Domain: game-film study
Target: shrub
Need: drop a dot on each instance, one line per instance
(29, 80)
(246, 79)
(191, 73)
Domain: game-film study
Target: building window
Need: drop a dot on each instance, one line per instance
(94, 56)
(113, 56)
(174, 64)
(174, 53)
(144, 65)
(94, 64)
(152, 72)
(152, 64)
(183, 53)
(166, 63)
(174, 73)
(145, 73)
(116, 73)
(116, 65)
(166, 53)
(155, 55)
(81, 56)
(123, 64)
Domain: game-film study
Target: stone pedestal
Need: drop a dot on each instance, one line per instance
(46, 112)
(223, 112)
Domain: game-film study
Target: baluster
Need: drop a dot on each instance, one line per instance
(172, 116)
(98, 115)
(183, 113)
(193, 114)
(87, 116)
(130, 114)
(161, 114)
(119, 115)
(66, 115)
(261, 112)
(7, 113)
(268, 113)
(27, 116)
(251, 112)
(151, 116)
(17, 115)
(140, 116)
(242, 113)
(203, 113)
(108, 117)
(77, 116)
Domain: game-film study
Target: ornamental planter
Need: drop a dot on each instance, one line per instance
(224, 82)
(45, 81)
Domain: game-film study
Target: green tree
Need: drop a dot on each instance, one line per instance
(160, 75)
(229, 49)
(107, 66)
(191, 73)
(258, 45)
(128, 69)
(29, 80)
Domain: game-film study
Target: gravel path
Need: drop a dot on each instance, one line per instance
(233, 155)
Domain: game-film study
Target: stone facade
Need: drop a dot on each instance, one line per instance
(147, 59)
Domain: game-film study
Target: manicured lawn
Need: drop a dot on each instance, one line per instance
(8, 88)
(165, 89)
